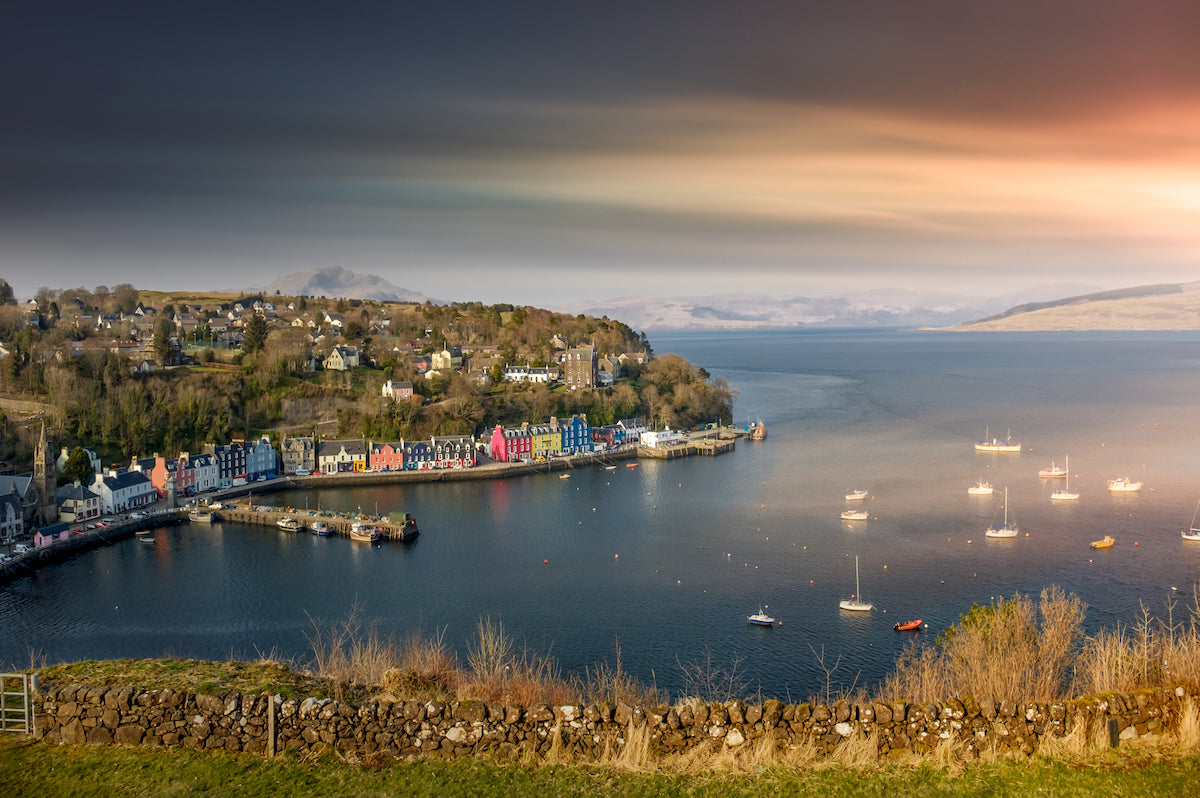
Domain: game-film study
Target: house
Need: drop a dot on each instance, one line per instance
(12, 517)
(544, 440)
(261, 462)
(49, 535)
(341, 457)
(544, 375)
(124, 490)
(397, 391)
(298, 454)
(172, 471)
(76, 502)
(230, 462)
(453, 451)
(386, 456)
(449, 359)
(662, 439)
(419, 456)
(580, 367)
(634, 427)
(23, 487)
(341, 358)
(63, 455)
(511, 445)
(205, 470)
(576, 434)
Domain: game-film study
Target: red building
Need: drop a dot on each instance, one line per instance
(512, 445)
(386, 457)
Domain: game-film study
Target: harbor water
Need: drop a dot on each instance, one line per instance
(668, 559)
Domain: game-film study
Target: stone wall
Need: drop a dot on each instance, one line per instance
(267, 724)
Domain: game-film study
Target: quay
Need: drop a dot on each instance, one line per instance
(397, 526)
(706, 445)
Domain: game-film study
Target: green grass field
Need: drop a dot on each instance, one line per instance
(34, 770)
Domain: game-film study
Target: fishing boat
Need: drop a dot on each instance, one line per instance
(1123, 485)
(1105, 542)
(1194, 532)
(1053, 472)
(855, 602)
(200, 516)
(760, 619)
(758, 432)
(363, 533)
(1004, 531)
(997, 445)
(1064, 493)
(855, 515)
(856, 495)
(288, 524)
(908, 626)
(319, 528)
(981, 488)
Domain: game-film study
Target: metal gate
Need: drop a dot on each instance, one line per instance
(16, 710)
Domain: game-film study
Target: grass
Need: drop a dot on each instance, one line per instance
(190, 675)
(41, 771)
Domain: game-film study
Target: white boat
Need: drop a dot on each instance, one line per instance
(1194, 532)
(760, 618)
(1005, 531)
(981, 488)
(199, 516)
(997, 445)
(855, 602)
(855, 515)
(288, 524)
(1053, 472)
(319, 528)
(1123, 485)
(1064, 493)
(856, 495)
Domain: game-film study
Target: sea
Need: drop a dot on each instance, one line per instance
(660, 565)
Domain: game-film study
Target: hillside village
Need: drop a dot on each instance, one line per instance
(148, 395)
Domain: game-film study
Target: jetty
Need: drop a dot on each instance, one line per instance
(395, 526)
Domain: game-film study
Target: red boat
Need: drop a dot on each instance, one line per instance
(908, 626)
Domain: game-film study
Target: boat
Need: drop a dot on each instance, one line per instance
(564, 476)
(144, 531)
(288, 524)
(908, 626)
(758, 432)
(1005, 531)
(1053, 472)
(760, 619)
(1194, 532)
(981, 488)
(631, 465)
(855, 602)
(319, 528)
(1064, 493)
(199, 516)
(856, 495)
(855, 515)
(1123, 485)
(610, 468)
(362, 532)
(1105, 542)
(997, 445)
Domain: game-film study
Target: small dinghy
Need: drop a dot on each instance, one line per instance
(908, 626)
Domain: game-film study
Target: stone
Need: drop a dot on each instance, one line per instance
(471, 711)
(736, 710)
(72, 733)
(734, 738)
(754, 714)
(110, 719)
(883, 713)
(844, 729)
(100, 734)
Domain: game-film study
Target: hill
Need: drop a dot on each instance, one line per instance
(1150, 307)
(334, 282)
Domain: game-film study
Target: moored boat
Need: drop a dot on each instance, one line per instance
(997, 445)
(1123, 485)
(908, 626)
(631, 465)
(758, 432)
(1194, 532)
(981, 488)
(854, 495)
(288, 524)
(1105, 542)
(319, 528)
(564, 476)
(1064, 493)
(855, 515)
(855, 602)
(1053, 472)
(760, 619)
(1004, 531)
(363, 533)
(200, 516)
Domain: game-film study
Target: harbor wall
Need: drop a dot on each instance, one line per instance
(267, 725)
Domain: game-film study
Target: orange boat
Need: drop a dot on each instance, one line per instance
(908, 626)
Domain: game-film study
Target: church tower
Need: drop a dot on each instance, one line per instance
(45, 481)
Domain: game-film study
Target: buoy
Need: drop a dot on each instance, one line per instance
(1089, 562)
(764, 506)
(810, 581)
(616, 556)
(1135, 544)
(547, 562)
(885, 567)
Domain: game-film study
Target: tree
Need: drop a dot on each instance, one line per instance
(6, 294)
(254, 334)
(78, 467)
(160, 344)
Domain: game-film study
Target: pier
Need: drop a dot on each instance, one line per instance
(707, 447)
(397, 526)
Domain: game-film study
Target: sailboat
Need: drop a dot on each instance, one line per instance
(855, 602)
(1005, 531)
(1064, 494)
(1194, 532)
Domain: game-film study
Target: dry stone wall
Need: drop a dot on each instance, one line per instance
(266, 724)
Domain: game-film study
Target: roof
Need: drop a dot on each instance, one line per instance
(74, 491)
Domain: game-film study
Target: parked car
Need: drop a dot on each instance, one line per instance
(21, 548)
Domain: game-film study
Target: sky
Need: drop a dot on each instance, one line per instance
(564, 151)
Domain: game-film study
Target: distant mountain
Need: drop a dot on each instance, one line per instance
(1165, 306)
(334, 281)
(880, 308)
